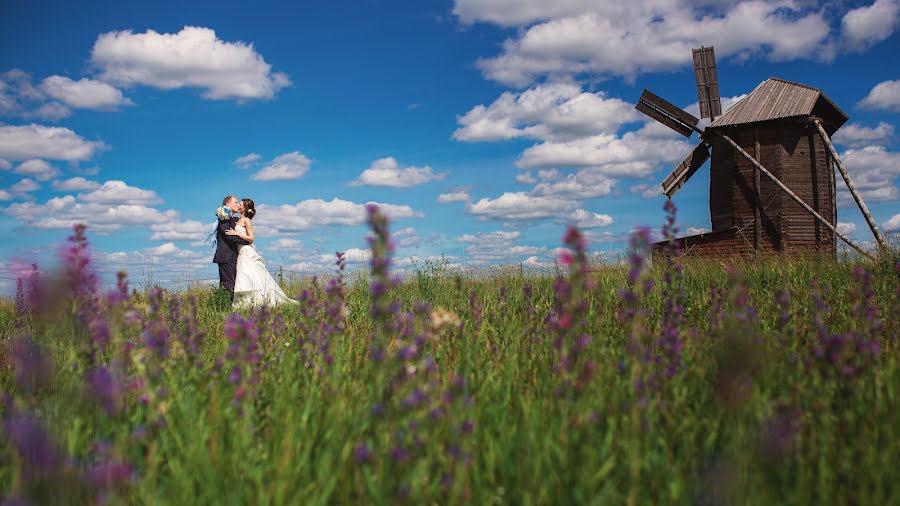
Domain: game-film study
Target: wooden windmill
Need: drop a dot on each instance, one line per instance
(781, 130)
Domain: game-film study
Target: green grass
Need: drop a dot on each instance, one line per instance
(704, 437)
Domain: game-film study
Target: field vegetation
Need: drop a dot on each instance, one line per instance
(773, 381)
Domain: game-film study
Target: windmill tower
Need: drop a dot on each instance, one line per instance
(772, 182)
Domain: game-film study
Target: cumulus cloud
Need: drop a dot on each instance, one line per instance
(846, 228)
(585, 219)
(525, 178)
(5, 195)
(38, 141)
(351, 256)
(37, 168)
(246, 161)
(521, 206)
(84, 93)
(26, 185)
(870, 24)
(874, 171)
(634, 154)
(55, 95)
(118, 192)
(574, 37)
(457, 196)
(194, 57)
(856, 135)
(64, 212)
(553, 111)
(892, 225)
(387, 172)
(288, 166)
(189, 230)
(302, 216)
(696, 230)
(407, 237)
(883, 96)
(285, 244)
(645, 190)
(75, 184)
(584, 184)
(488, 247)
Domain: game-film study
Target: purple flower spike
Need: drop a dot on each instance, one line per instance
(103, 387)
(362, 453)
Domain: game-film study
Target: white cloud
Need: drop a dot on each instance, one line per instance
(313, 213)
(870, 24)
(247, 160)
(525, 178)
(634, 154)
(584, 184)
(194, 57)
(407, 237)
(457, 196)
(285, 244)
(37, 168)
(499, 245)
(84, 93)
(874, 171)
(63, 212)
(387, 172)
(117, 192)
(351, 256)
(39, 141)
(5, 195)
(51, 111)
(846, 228)
(696, 230)
(5, 164)
(75, 184)
(892, 224)
(884, 96)
(26, 185)
(288, 166)
(855, 135)
(586, 219)
(645, 190)
(189, 230)
(626, 38)
(548, 112)
(521, 206)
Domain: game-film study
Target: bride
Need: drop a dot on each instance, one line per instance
(253, 285)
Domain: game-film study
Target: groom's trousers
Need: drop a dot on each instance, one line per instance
(227, 273)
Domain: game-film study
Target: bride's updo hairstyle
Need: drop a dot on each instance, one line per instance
(249, 208)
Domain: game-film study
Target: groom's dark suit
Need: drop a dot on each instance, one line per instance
(226, 254)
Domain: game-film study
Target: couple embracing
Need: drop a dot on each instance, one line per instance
(242, 270)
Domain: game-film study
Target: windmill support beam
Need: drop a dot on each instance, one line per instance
(791, 194)
(856, 196)
(756, 218)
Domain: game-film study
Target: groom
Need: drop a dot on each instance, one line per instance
(227, 245)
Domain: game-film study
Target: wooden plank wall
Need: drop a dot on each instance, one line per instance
(807, 170)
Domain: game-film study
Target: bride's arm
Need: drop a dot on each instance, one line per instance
(248, 236)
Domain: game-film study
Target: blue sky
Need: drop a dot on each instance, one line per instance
(485, 125)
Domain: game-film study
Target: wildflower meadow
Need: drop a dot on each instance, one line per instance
(660, 380)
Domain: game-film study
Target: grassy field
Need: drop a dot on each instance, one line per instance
(761, 382)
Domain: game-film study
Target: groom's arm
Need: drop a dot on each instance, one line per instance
(229, 225)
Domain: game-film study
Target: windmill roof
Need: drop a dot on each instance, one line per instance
(776, 98)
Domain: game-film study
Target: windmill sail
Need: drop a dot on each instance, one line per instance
(667, 114)
(685, 169)
(707, 82)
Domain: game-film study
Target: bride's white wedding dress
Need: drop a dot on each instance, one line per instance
(253, 285)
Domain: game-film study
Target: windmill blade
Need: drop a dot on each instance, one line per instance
(684, 170)
(707, 82)
(667, 114)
